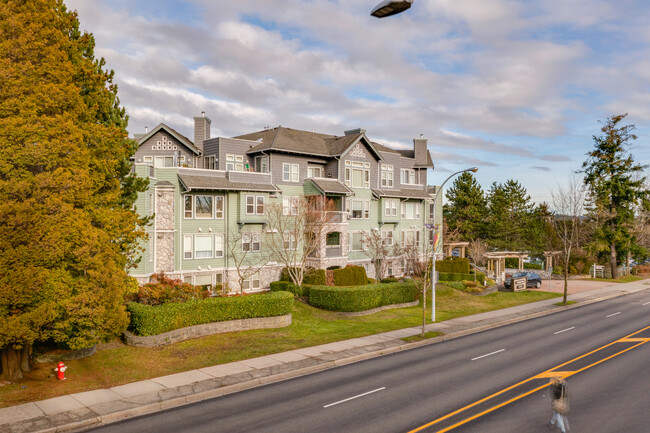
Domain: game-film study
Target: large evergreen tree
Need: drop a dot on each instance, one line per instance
(67, 230)
(615, 186)
(466, 208)
(510, 214)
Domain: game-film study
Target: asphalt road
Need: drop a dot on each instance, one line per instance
(493, 381)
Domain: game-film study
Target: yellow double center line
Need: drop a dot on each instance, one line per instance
(553, 372)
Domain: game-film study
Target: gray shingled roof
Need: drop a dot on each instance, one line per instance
(402, 193)
(215, 183)
(304, 142)
(331, 186)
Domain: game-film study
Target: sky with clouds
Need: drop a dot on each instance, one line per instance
(514, 87)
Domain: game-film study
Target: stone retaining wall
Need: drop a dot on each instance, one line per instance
(67, 356)
(377, 310)
(206, 329)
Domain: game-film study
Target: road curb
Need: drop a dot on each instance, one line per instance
(147, 409)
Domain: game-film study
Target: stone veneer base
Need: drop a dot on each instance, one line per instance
(377, 310)
(206, 329)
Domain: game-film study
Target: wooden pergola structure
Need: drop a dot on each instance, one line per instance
(548, 259)
(496, 263)
(451, 246)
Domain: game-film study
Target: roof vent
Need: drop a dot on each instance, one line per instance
(260, 140)
(146, 129)
(355, 131)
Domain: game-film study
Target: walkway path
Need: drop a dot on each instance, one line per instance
(92, 408)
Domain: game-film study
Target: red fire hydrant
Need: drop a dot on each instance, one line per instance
(60, 371)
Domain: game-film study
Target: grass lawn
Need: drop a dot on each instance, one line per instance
(116, 364)
(623, 279)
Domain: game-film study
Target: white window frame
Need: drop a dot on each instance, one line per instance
(314, 171)
(408, 176)
(262, 164)
(289, 241)
(387, 238)
(218, 245)
(351, 242)
(251, 239)
(211, 207)
(188, 247)
(290, 172)
(405, 213)
(252, 282)
(351, 167)
(365, 208)
(188, 213)
(387, 176)
(204, 252)
(257, 204)
(390, 207)
(218, 202)
(290, 205)
(404, 241)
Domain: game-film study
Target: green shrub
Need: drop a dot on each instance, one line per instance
(311, 276)
(361, 298)
(281, 286)
(371, 281)
(389, 280)
(350, 276)
(288, 286)
(163, 290)
(573, 270)
(457, 285)
(453, 265)
(333, 267)
(532, 266)
(558, 270)
(153, 320)
(443, 276)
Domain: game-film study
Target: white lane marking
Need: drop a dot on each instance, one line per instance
(618, 312)
(487, 354)
(646, 303)
(564, 330)
(356, 396)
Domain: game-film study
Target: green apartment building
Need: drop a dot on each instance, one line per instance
(205, 195)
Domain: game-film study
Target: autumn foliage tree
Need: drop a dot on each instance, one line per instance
(67, 228)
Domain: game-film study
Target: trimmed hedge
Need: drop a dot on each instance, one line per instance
(453, 265)
(312, 276)
(350, 276)
(362, 298)
(446, 276)
(288, 286)
(152, 320)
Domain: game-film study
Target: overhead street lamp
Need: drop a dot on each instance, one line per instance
(433, 256)
(390, 7)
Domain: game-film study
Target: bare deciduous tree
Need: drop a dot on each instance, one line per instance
(477, 250)
(296, 229)
(418, 266)
(380, 248)
(247, 254)
(568, 202)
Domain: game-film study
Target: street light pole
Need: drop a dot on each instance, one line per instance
(433, 255)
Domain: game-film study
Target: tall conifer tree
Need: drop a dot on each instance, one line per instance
(615, 186)
(67, 228)
(466, 209)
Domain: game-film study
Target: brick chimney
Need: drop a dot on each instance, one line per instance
(420, 150)
(201, 130)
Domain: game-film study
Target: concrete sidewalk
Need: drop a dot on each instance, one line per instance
(102, 406)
